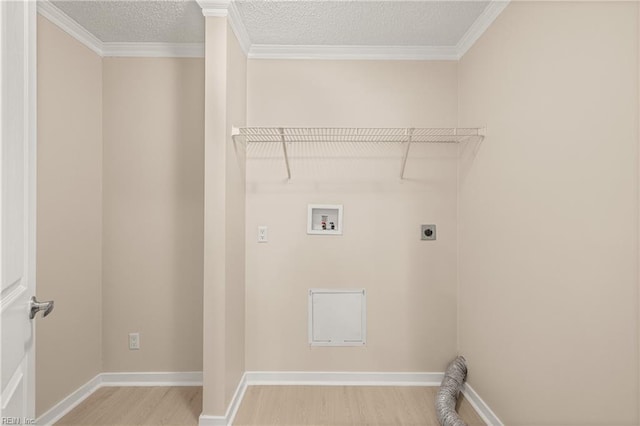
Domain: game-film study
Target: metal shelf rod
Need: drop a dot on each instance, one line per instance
(406, 152)
(396, 141)
(286, 155)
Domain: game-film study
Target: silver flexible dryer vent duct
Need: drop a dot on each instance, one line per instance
(447, 396)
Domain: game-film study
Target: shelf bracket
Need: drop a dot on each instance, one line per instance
(406, 152)
(235, 132)
(284, 151)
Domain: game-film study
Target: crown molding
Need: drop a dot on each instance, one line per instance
(237, 25)
(71, 27)
(228, 9)
(397, 53)
(153, 50)
(216, 8)
(480, 25)
(144, 50)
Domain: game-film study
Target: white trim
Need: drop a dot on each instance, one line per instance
(238, 395)
(56, 412)
(67, 404)
(353, 52)
(400, 53)
(480, 25)
(32, 114)
(316, 378)
(256, 378)
(483, 410)
(320, 378)
(216, 8)
(206, 420)
(71, 27)
(154, 50)
(138, 50)
(341, 378)
(190, 378)
(237, 25)
(228, 9)
(232, 409)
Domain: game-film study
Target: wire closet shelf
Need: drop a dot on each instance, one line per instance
(402, 135)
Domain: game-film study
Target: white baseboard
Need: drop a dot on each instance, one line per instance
(256, 378)
(292, 378)
(55, 413)
(232, 410)
(237, 399)
(206, 420)
(317, 378)
(188, 378)
(483, 410)
(321, 378)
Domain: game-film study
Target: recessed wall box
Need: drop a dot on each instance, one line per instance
(337, 317)
(324, 219)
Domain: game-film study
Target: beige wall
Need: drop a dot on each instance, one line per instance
(548, 215)
(153, 213)
(69, 214)
(548, 307)
(120, 226)
(411, 284)
(224, 294)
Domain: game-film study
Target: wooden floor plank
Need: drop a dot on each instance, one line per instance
(128, 406)
(344, 405)
(268, 406)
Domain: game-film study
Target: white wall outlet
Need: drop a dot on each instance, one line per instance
(262, 234)
(134, 341)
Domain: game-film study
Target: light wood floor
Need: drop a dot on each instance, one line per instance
(120, 406)
(344, 405)
(267, 405)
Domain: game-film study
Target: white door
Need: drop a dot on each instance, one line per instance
(17, 210)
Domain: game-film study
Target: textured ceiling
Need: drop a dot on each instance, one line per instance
(297, 22)
(370, 23)
(138, 21)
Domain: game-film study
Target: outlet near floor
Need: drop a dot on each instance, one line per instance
(134, 341)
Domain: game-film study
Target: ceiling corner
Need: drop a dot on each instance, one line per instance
(237, 25)
(480, 25)
(68, 25)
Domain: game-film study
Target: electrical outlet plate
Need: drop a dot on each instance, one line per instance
(428, 232)
(134, 341)
(263, 236)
